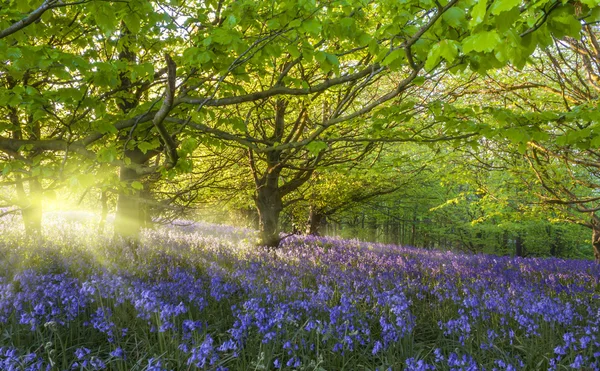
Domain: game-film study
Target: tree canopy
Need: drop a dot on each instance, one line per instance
(306, 109)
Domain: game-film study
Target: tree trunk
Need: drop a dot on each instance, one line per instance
(554, 235)
(519, 249)
(315, 221)
(31, 211)
(596, 241)
(269, 206)
(505, 240)
(32, 216)
(146, 209)
(104, 213)
(128, 219)
(372, 227)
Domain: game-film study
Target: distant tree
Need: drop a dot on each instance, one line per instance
(544, 122)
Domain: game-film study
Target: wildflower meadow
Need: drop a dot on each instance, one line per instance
(202, 296)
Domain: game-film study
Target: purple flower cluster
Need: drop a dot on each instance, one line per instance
(202, 300)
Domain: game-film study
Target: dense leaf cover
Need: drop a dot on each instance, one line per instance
(200, 296)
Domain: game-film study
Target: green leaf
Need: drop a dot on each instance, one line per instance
(433, 58)
(320, 56)
(132, 21)
(478, 13)
(419, 80)
(500, 6)
(14, 53)
(147, 146)
(188, 145)
(238, 124)
(7, 168)
(137, 185)
(333, 59)
(594, 14)
(69, 94)
(273, 24)
(595, 142)
(191, 54)
(454, 17)
(397, 54)
(105, 17)
(448, 49)
(222, 36)
(516, 135)
(564, 23)
(294, 51)
(347, 22)
(231, 21)
(312, 26)
(316, 146)
(591, 3)
(295, 23)
(108, 154)
(481, 42)
(507, 20)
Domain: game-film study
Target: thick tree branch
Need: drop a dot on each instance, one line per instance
(32, 17)
(164, 110)
(280, 90)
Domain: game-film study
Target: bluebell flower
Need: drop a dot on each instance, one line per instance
(118, 353)
(377, 347)
(80, 353)
(578, 362)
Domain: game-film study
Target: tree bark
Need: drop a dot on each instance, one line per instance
(104, 213)
(596, 238)
(130, 215)
(519, 249)
(315, 221)
(32, 211)
(269, 206)
(596, 244)
(268, 200)
(128, 219)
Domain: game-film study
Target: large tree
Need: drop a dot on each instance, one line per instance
(312, 78)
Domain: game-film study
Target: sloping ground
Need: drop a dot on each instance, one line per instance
(200, 296)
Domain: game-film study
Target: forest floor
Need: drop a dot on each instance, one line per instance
(202, 296)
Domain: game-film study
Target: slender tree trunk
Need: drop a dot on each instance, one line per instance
(315, 220)
(554, 237)
(386, 227)
(395, 232)
(596, 241)
(413, 238)
(372, 229)
(519, 249)
(104, 213)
